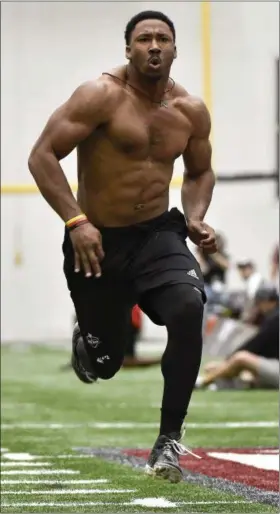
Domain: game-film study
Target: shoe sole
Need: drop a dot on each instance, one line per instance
(166, 472)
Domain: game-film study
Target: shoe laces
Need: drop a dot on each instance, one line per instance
(173, 445)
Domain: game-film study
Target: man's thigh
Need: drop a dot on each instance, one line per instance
(268, 372)
(166, 304)
(167, 261)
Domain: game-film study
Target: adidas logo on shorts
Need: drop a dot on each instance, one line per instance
(192, 273)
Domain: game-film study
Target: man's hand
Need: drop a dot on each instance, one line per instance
(202, 235)
(87, 244)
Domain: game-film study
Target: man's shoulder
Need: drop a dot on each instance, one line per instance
(189, 101)
(106, 87)
(193, 107)
(113, 81)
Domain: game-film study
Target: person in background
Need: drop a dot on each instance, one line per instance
(274, 271)
(214, 267)
(259, 355)
(253, 280)
(251, 277)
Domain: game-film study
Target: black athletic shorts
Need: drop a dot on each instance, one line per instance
(139, 259)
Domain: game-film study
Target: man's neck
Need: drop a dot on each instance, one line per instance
(153, 88)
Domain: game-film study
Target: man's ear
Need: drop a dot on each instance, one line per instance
(127, 52)
(175, 52)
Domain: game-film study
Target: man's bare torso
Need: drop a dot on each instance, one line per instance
(126, 165)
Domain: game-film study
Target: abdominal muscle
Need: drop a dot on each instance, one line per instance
(115, 195)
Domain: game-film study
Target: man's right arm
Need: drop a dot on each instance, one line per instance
(70, 124)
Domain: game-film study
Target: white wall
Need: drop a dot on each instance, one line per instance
(47, 50)
(245, 45)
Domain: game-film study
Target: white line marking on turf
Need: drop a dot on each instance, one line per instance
(132, 425)
(41, 472)
(66, 456)
(54, 482)
(24, 464)
(93, 504)
(153, 502)
(4, 450)
(162, 502)
(69, 491)
(19, 456)
(268, 462)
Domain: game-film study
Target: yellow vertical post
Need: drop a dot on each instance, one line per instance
(206, 58)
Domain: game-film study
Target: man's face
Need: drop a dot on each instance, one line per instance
(245, 271)
(151, 49)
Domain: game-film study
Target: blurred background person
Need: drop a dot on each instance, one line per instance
(259, 355)
(214, 267)
(252, 280)
(274, 270)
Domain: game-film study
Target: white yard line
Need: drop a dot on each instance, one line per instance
(67, 491)
(41, 472)
(18, 456)
(126, 504)
(21, 457)
(23, 464)
(133, 425)
(55, 482)
(66, 456)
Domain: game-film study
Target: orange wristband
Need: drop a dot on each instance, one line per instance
(76, 220)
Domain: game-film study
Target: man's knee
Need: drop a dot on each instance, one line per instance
(240, 358)
(186, 307)
(107, 367)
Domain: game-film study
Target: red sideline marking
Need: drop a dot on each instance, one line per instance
(234, 471)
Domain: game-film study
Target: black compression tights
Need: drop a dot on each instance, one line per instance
(181, 308)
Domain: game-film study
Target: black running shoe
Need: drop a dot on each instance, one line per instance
(80, 359)
(164, 458)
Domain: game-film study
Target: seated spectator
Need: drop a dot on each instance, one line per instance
(259, 355)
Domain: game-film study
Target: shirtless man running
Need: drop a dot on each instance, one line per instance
(122, 245)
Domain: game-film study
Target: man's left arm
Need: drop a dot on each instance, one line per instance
(199, 179)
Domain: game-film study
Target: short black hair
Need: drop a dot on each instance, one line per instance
(147, 15)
